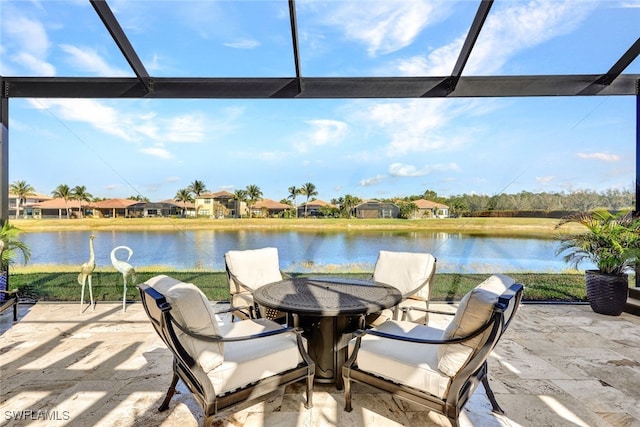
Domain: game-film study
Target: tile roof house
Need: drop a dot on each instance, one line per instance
(57, 208)
(112, 208)
(429, 209)
(377, 209)
(221, 204)
(185, 209)
(313, 208)
(269, 208)
(26, 204)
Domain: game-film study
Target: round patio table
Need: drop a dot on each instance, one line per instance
(328, 309)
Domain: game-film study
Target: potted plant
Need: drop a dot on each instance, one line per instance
(10, 247)
(612, 243)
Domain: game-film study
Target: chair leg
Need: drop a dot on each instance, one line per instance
(492, 398)
(309, 404)
(172, 389)
(347, 394)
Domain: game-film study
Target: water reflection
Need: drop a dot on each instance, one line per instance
(313, 251)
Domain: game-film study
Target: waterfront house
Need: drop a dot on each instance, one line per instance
(314, 208)
(377, 209)
(269, 208)
(429, 209)
(221, 204)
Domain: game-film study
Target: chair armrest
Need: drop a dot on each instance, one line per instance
(409, 308)
(219, 338)
(432, 341)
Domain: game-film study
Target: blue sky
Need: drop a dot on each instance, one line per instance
(372, 148)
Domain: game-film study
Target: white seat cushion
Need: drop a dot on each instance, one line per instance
(253, 268)
(474, 311)
(250, 360)
(190, 308)
(409, 272)
(412, 364)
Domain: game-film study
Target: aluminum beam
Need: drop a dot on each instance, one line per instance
(113, 26)
(4, 159)
(296, 46)
(315, 88)
(470, 41)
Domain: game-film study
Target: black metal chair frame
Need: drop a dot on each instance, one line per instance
(186, 368)
(464, 383)
(255, 311)
(11, 299)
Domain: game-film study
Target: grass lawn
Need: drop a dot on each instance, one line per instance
(107, 286)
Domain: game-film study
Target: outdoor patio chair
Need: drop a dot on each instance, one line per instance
(222, 365)
(436, 368)
(248, 270)
(412, 273)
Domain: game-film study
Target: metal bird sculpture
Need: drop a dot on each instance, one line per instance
(86, 271)
(125, 268)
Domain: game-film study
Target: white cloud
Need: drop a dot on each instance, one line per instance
(405, 170)
(415, 125)
(605, 157)
(86, 59)
(519, 26)
(29, 35)
(243, 44)
(157, 151)
(372, 181)
(384, 26)
(34, 65)
(90, 111)
(28, 38)
(508, 30)
(322, 132)
(545, 179)
(185, 128)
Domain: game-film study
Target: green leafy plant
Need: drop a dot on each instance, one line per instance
(11, 246)
(611, 241)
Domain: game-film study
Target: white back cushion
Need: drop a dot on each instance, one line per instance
(406, 271)
(253, 268)
(191, 309)
(474, 311)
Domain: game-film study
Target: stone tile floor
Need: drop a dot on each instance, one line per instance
(557, 365)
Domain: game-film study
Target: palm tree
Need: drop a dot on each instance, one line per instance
(197, 188)
(64, 192)
(21, 190)
(79, 192)
(254, 194)
(239, 196)
(308, 190)
(183, 195)
(293, 193)
(139, 198)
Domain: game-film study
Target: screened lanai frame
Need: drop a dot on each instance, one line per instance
(612, 82)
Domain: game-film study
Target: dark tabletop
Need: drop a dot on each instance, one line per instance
(327, 296)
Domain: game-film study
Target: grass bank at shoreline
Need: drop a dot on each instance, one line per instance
(59, 283)
(107, 285)
(525, 227)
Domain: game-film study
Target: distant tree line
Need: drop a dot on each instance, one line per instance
(525, 203)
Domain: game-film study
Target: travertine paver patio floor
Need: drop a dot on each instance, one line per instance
(557, 365)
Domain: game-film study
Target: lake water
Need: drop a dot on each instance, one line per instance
(317, 251)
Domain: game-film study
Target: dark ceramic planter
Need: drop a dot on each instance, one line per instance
(607, 293)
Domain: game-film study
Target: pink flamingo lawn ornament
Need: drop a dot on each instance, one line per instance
(125, 268)
(86, 271)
